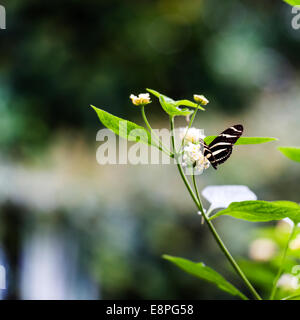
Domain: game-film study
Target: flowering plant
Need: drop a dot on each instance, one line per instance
(236, 201)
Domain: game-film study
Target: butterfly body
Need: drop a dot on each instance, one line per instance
(220, 149)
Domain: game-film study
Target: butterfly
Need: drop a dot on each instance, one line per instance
(220, 149)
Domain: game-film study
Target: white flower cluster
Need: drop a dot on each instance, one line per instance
(192, 135)
(201, 99)
(288, 282)
(142, 99)
(192, 149)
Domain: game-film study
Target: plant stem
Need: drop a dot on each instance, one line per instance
(160, 144)
(198, 203)
(291, 297)
(223, 247)
(189, 126)
(274, 288)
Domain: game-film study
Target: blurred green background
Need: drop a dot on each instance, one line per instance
(72, 229)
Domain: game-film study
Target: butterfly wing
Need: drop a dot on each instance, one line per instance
(208, 154)
(221, 146)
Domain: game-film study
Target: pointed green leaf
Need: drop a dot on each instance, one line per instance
(177, 103)
(262, 211)
(293, 2)
(188, 103)
(170, 106)
(203, 272)
(244, 140)
(158, 95)
(291, 152)
(124, 128)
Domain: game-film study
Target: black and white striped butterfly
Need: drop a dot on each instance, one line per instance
(220, 149)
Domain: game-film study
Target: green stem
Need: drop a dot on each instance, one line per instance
(189, 126)
(291, 297)
(198, 203)
(223, 247)
(274, 288)
(173, 135)
(158, 140)
(209, 211)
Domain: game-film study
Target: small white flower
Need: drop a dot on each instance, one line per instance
(262, 249)
(288, 282)
(191, 135)
(193, 157)
(142, 99)
(295, 244)
(201, 99)
(191, 153)
(192, 149)
(222, 196)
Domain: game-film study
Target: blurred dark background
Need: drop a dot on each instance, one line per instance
(70, 228)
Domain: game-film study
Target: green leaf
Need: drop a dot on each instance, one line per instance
(244, 140)
(201, 271)
(171, 107)
(259, 273)
(286, 203)
(262, 211)
(124, 128)
(188, 103)
(177, 103)
(293, 2)
(158, 95)
(291, 152)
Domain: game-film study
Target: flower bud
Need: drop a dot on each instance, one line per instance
(201, 99)
(141, 100)
(262, 249)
